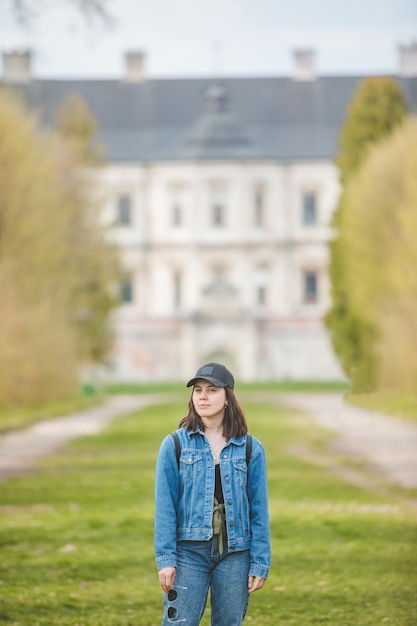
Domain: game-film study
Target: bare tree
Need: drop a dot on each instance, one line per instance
(24, 10)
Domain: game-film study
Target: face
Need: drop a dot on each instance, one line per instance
(208, 400)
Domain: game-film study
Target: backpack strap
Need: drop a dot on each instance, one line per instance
(176, 439)
(248, 448)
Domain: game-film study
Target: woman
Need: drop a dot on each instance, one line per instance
(211, 515)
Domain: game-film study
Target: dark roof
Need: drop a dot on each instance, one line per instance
(175, 119)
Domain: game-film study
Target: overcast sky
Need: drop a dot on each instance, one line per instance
(221, 37)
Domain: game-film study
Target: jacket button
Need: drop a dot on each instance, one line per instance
(232, 524)
(227, 478)
(233, 547)
(229, 501)
(225, 456)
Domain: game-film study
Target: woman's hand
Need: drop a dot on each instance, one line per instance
(255, 583)
(166, 577)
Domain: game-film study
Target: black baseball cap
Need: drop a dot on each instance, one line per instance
(216, 374)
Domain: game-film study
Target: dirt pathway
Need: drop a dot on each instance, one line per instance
(386, 443)
(19, 449)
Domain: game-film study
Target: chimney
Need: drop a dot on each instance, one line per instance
(135, 60)
(408, 59)
(304, 64)
(16, 66)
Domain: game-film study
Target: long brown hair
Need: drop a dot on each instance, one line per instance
(234, 421)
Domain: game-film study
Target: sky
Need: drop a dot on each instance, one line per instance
(185, 38)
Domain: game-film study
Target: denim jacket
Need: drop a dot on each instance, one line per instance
(184, 498)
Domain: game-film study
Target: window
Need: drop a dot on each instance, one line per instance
(259, 205)
(218, 208)
(177, 203)
(124, 210)
(126, 290)
(309, 209)
(177, 289)
(261, 282)
(310, 287)
(261, 295)
(176, 215)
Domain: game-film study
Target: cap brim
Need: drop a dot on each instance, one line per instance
(213, 381)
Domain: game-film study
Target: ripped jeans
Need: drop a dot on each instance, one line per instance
(200, 568)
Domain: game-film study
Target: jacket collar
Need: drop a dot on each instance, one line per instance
(238, 441)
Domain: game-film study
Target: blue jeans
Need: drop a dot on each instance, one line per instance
(200, 567)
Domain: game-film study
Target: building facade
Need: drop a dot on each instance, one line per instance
(221, 194)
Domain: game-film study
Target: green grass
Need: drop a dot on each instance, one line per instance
(398, 405)
(76, 535)
(261, 386)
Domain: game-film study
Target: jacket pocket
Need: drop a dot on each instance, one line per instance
(240, 472)
(241, 507)
(190, 464)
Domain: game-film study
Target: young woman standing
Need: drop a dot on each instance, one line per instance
(211, 514)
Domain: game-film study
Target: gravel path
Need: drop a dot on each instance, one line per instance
(19, 449)
(388, 444)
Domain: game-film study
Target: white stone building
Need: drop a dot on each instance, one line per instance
(222, 193)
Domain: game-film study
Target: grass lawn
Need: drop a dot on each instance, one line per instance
(76, 535)
(265, 386)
